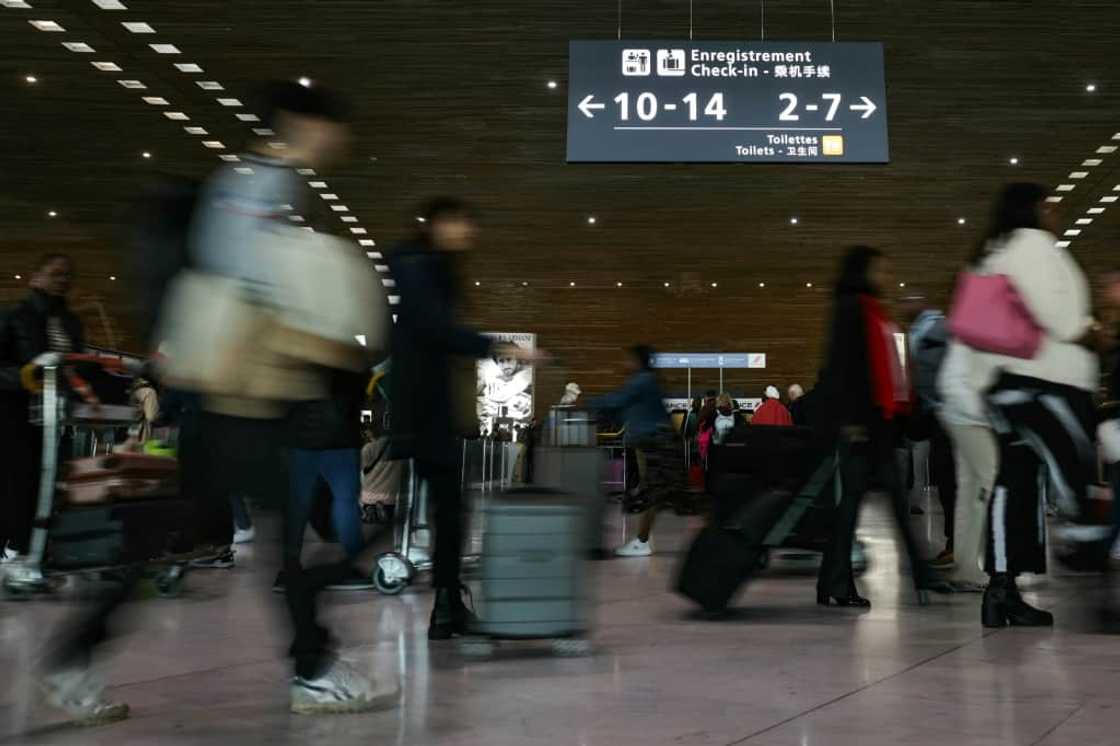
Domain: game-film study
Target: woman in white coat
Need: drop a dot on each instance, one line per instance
(1041, 408)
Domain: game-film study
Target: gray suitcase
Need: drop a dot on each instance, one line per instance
(576, 471)
(533, 582)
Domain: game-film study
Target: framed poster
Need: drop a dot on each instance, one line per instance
(505, 386)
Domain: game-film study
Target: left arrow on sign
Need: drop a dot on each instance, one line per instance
(868, 107)
(587, 107)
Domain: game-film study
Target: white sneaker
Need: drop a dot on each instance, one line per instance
(8, 555)
(81, 695)
(244, 535)
(636, 548)
(340, 690)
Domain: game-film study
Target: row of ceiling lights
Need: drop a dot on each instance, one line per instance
(572, 284)
(138, 27)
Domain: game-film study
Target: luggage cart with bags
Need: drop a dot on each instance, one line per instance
(99, 514)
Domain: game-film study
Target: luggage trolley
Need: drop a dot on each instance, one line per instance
(101, 537)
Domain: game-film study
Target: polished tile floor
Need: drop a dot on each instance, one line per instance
(207, 668)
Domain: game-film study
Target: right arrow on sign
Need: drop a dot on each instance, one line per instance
(587, 107)
(868, 107)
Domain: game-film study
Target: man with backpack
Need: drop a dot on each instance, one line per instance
(927, 342)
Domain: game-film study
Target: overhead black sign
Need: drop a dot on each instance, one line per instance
(680, 101)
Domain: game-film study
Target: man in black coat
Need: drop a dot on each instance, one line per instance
(33, 334)
(425, 341)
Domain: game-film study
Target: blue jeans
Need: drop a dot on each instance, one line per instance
(341, 469)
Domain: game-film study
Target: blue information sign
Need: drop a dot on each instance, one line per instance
(709, 360)
(683, 101)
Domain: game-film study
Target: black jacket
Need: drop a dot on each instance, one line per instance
(333, 423)
(845, 389)
(23, 337)
(427, 336)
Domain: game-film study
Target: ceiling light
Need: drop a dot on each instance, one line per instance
(113, 278)
(18, 277)
(138, 27)
(110, 4)
(1053, 199)
(195, 130)
(367, 242)
(229, 157)
(17, 5)
(373, 254)
(793, 221)
(1109, 198)
(305, 82)
(164, 48)
(902, 284)
(359, 231)
(808, 284)
(762, 284)
(715, 284)
(213, 144)
(340, 208)
(266, 132)
(1083, 221)
(244, 170)
(52, 214)
(107, 67)
(47, 26)
(524, 284)
(1065, 187)
(1078, 174)
(317, 184)
(619, 284)
(229, 102)
(1106, 149)
(571, 284)
(31, 79)
(348, 219)
(145, 154)
(394, 300)
(133, 85)
(278, 145)
(188, 67)
(592, 220)
(552, 85)
(1091, 88)
(329, 196)
(477, 284)
(1062, 244)
(1095, 211)
(303, 171)
(961, 221)
(209, 85)
(176, 116)
(666, 284)
(421, 220)
(79, 47)
(248, 117)
(155, 100)
(1092, 162)
(296, 218)
(1013, 161)
(1072, 232)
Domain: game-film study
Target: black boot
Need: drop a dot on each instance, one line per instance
(450, 616)
(1004, 605)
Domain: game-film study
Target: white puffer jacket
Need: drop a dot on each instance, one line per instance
(1055, 291)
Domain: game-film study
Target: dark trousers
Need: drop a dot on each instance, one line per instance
(22, 448)
(1016, 538)
(341, 470)
(943, 475)
(446, 497)
(863, 465)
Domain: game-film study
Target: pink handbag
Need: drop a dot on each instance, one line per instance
(988, 315)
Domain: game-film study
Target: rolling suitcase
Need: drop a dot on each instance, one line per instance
(533, 584)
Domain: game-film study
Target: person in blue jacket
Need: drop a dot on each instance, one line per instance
(640, 406)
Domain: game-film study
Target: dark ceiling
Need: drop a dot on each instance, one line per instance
(452, 98)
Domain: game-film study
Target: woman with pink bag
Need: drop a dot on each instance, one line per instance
(1023, 323)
